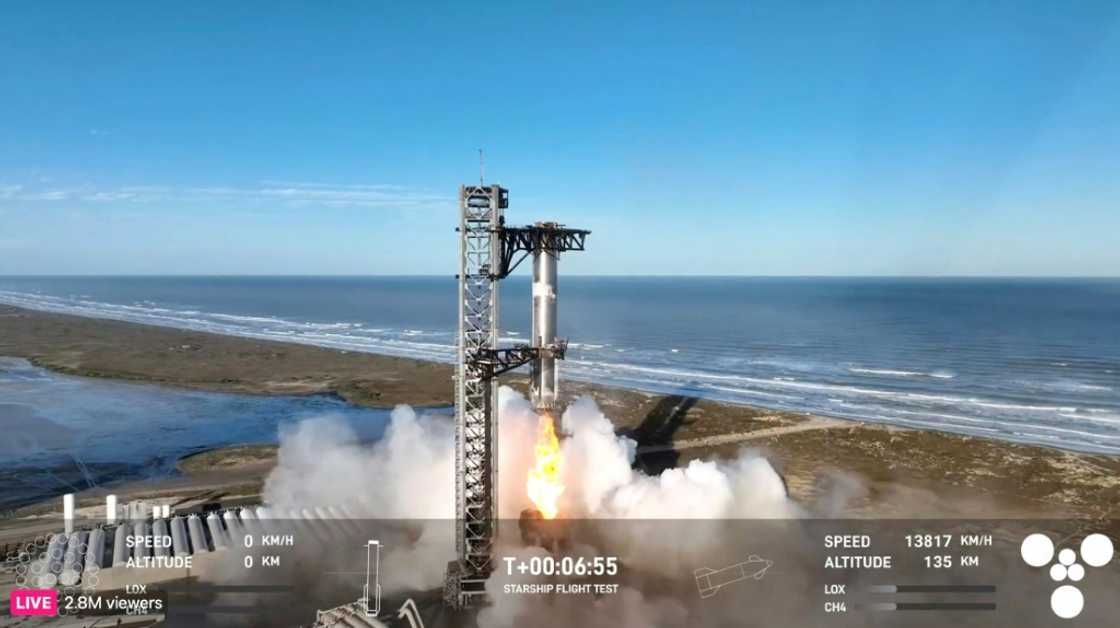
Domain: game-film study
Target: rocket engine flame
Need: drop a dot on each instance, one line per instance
(544, 483)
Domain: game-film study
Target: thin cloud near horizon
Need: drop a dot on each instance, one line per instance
(299, 193)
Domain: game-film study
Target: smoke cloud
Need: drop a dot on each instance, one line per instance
(409, 473)
(404, 475)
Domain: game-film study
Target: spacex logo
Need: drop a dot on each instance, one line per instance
(1038, 550)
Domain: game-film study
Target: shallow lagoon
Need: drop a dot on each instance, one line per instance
(64, 433)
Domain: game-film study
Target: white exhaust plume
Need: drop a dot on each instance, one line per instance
(405, 475)
(747, 487)
(409, 475)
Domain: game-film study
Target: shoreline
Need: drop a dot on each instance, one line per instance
(899, 471)
(348, 378)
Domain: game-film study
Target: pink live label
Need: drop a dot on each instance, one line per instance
(34, 602)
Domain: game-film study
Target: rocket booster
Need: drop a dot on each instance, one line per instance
(544, 376)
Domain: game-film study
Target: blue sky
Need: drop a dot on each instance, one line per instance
(692, 138)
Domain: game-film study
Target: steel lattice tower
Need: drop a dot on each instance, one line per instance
(476, 396)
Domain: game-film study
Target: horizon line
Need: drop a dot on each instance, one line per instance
(579, 275)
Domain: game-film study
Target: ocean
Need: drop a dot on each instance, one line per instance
(1027, 360)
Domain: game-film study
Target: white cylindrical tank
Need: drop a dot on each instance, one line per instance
(297, 525)
(347, 512)
(160, 533)
(95, 550)
(217, 534)
(45, 579)
(179, 537)
(249, 521)
(56, 553)
(120, 544)
(72, 561)
(327, 523)
(343, 521)
(263, 516)
(309, 522)
(141, 531)
(137, 509)
(68, 512)
(197, 534)
(110, 509)
(234, 528)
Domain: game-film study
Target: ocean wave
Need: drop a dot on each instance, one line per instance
(841, 389)
(938, 374)
(264, 328)
(893, 372)
(1064, 385)
(1104, 417)
(1025, 407)
(822, 388)
(757, 393)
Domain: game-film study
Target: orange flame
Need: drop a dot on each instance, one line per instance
(544, 478)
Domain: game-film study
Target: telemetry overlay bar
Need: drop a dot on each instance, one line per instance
(933, 606)
(932, 588)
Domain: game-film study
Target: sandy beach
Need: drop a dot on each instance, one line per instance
(833, 467)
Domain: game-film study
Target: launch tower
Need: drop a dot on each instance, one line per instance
(488, 252)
